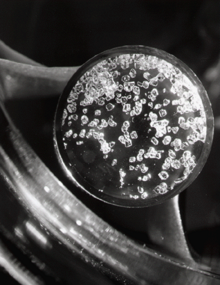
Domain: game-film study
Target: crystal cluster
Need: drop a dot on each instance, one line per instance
(133, 126)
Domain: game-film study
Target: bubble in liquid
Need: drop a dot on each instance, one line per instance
(142, 118)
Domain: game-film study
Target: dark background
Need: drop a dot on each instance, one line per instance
(66, 32)
(69, 32)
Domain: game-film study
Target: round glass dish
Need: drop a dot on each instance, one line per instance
(133, 127)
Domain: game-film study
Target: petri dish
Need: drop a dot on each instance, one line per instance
(133, 127)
